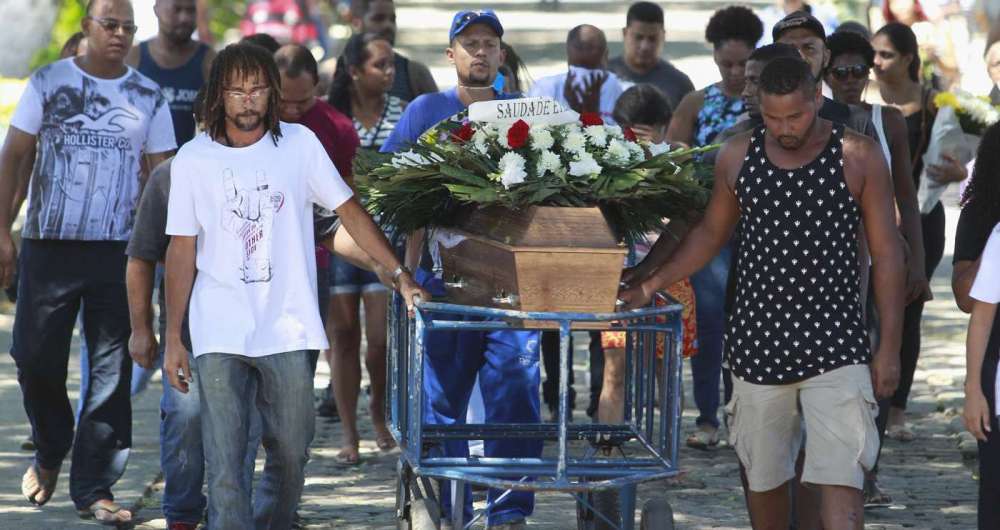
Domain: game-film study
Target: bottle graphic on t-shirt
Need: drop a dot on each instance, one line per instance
(249, 215)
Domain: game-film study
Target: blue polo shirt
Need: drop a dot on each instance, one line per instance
(425, 112)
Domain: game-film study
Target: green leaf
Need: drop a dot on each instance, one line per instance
(472, 193)
(463, 175)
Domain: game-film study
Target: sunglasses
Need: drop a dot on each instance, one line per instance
(111, 25)
(858, 71)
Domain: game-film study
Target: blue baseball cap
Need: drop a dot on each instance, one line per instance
(464, 19)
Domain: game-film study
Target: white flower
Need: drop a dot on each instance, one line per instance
(541, 138)
(584, 166)
(659, 149)
(512, 169)
(617, 153)
(568, 128)
(597, 135)
(548, 162)
(575, 143)
(479, 139)
(614, 131)
(635, 151)
(502, 131)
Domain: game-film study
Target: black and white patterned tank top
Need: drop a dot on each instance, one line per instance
(797, 312)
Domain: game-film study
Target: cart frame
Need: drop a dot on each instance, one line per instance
(656, 435)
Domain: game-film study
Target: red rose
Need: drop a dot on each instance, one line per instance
(591, 118)
(517, 135)
(629, 134)
(462, 134)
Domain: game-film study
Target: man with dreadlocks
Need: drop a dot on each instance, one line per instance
(240, 214)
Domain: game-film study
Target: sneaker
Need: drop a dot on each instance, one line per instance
(704, 437)
(28, 444)
(328, 406)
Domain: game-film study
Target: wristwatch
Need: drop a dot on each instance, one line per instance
(402, 269)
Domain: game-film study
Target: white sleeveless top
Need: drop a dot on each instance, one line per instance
(880, 129)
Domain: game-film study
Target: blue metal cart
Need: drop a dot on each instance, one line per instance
(600, 465)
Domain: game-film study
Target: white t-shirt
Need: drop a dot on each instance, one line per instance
(986, 288)
(553, 87)
(91, 134)
(252, 211)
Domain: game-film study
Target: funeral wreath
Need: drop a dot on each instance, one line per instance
(460, 165)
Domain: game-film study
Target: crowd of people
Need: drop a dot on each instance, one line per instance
(220, 183)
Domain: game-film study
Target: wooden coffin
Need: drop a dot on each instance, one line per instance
(537, 259)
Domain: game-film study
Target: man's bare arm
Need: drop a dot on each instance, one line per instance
(373, 242)
(865, 167)
(17, 147)
(343, 245)
(139, 278)
(23, 179)
(180, 272)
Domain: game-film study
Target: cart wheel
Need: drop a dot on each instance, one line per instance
(404, 476)
(606, 502)
(413, 512)
(657, 515)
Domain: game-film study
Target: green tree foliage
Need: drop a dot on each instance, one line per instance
(67, 23)
(226, 15)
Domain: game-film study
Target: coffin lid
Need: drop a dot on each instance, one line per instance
(543, 226)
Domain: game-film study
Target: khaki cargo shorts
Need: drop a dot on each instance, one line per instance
(837, 410)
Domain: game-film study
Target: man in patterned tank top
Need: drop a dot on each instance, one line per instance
(798, 187)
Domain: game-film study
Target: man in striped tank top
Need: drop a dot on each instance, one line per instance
(798, 188)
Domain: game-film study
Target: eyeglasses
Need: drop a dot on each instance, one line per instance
(238, 96)
(858, 71)
(111, 25)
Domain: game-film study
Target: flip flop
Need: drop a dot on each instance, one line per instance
(36, 490)
(114, 513)
(347, 460)
(874, 497)
(900, 433)
(385, 442)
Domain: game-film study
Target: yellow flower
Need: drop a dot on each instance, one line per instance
(947, 99)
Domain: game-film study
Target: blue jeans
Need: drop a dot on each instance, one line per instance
(279, 386)
(507, 365)
(181, 455)
(706, 368)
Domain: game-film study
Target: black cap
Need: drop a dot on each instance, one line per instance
(796, 20)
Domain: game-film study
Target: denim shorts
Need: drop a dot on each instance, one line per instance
(348, 279)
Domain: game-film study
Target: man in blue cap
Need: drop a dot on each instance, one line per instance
(505, 361)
